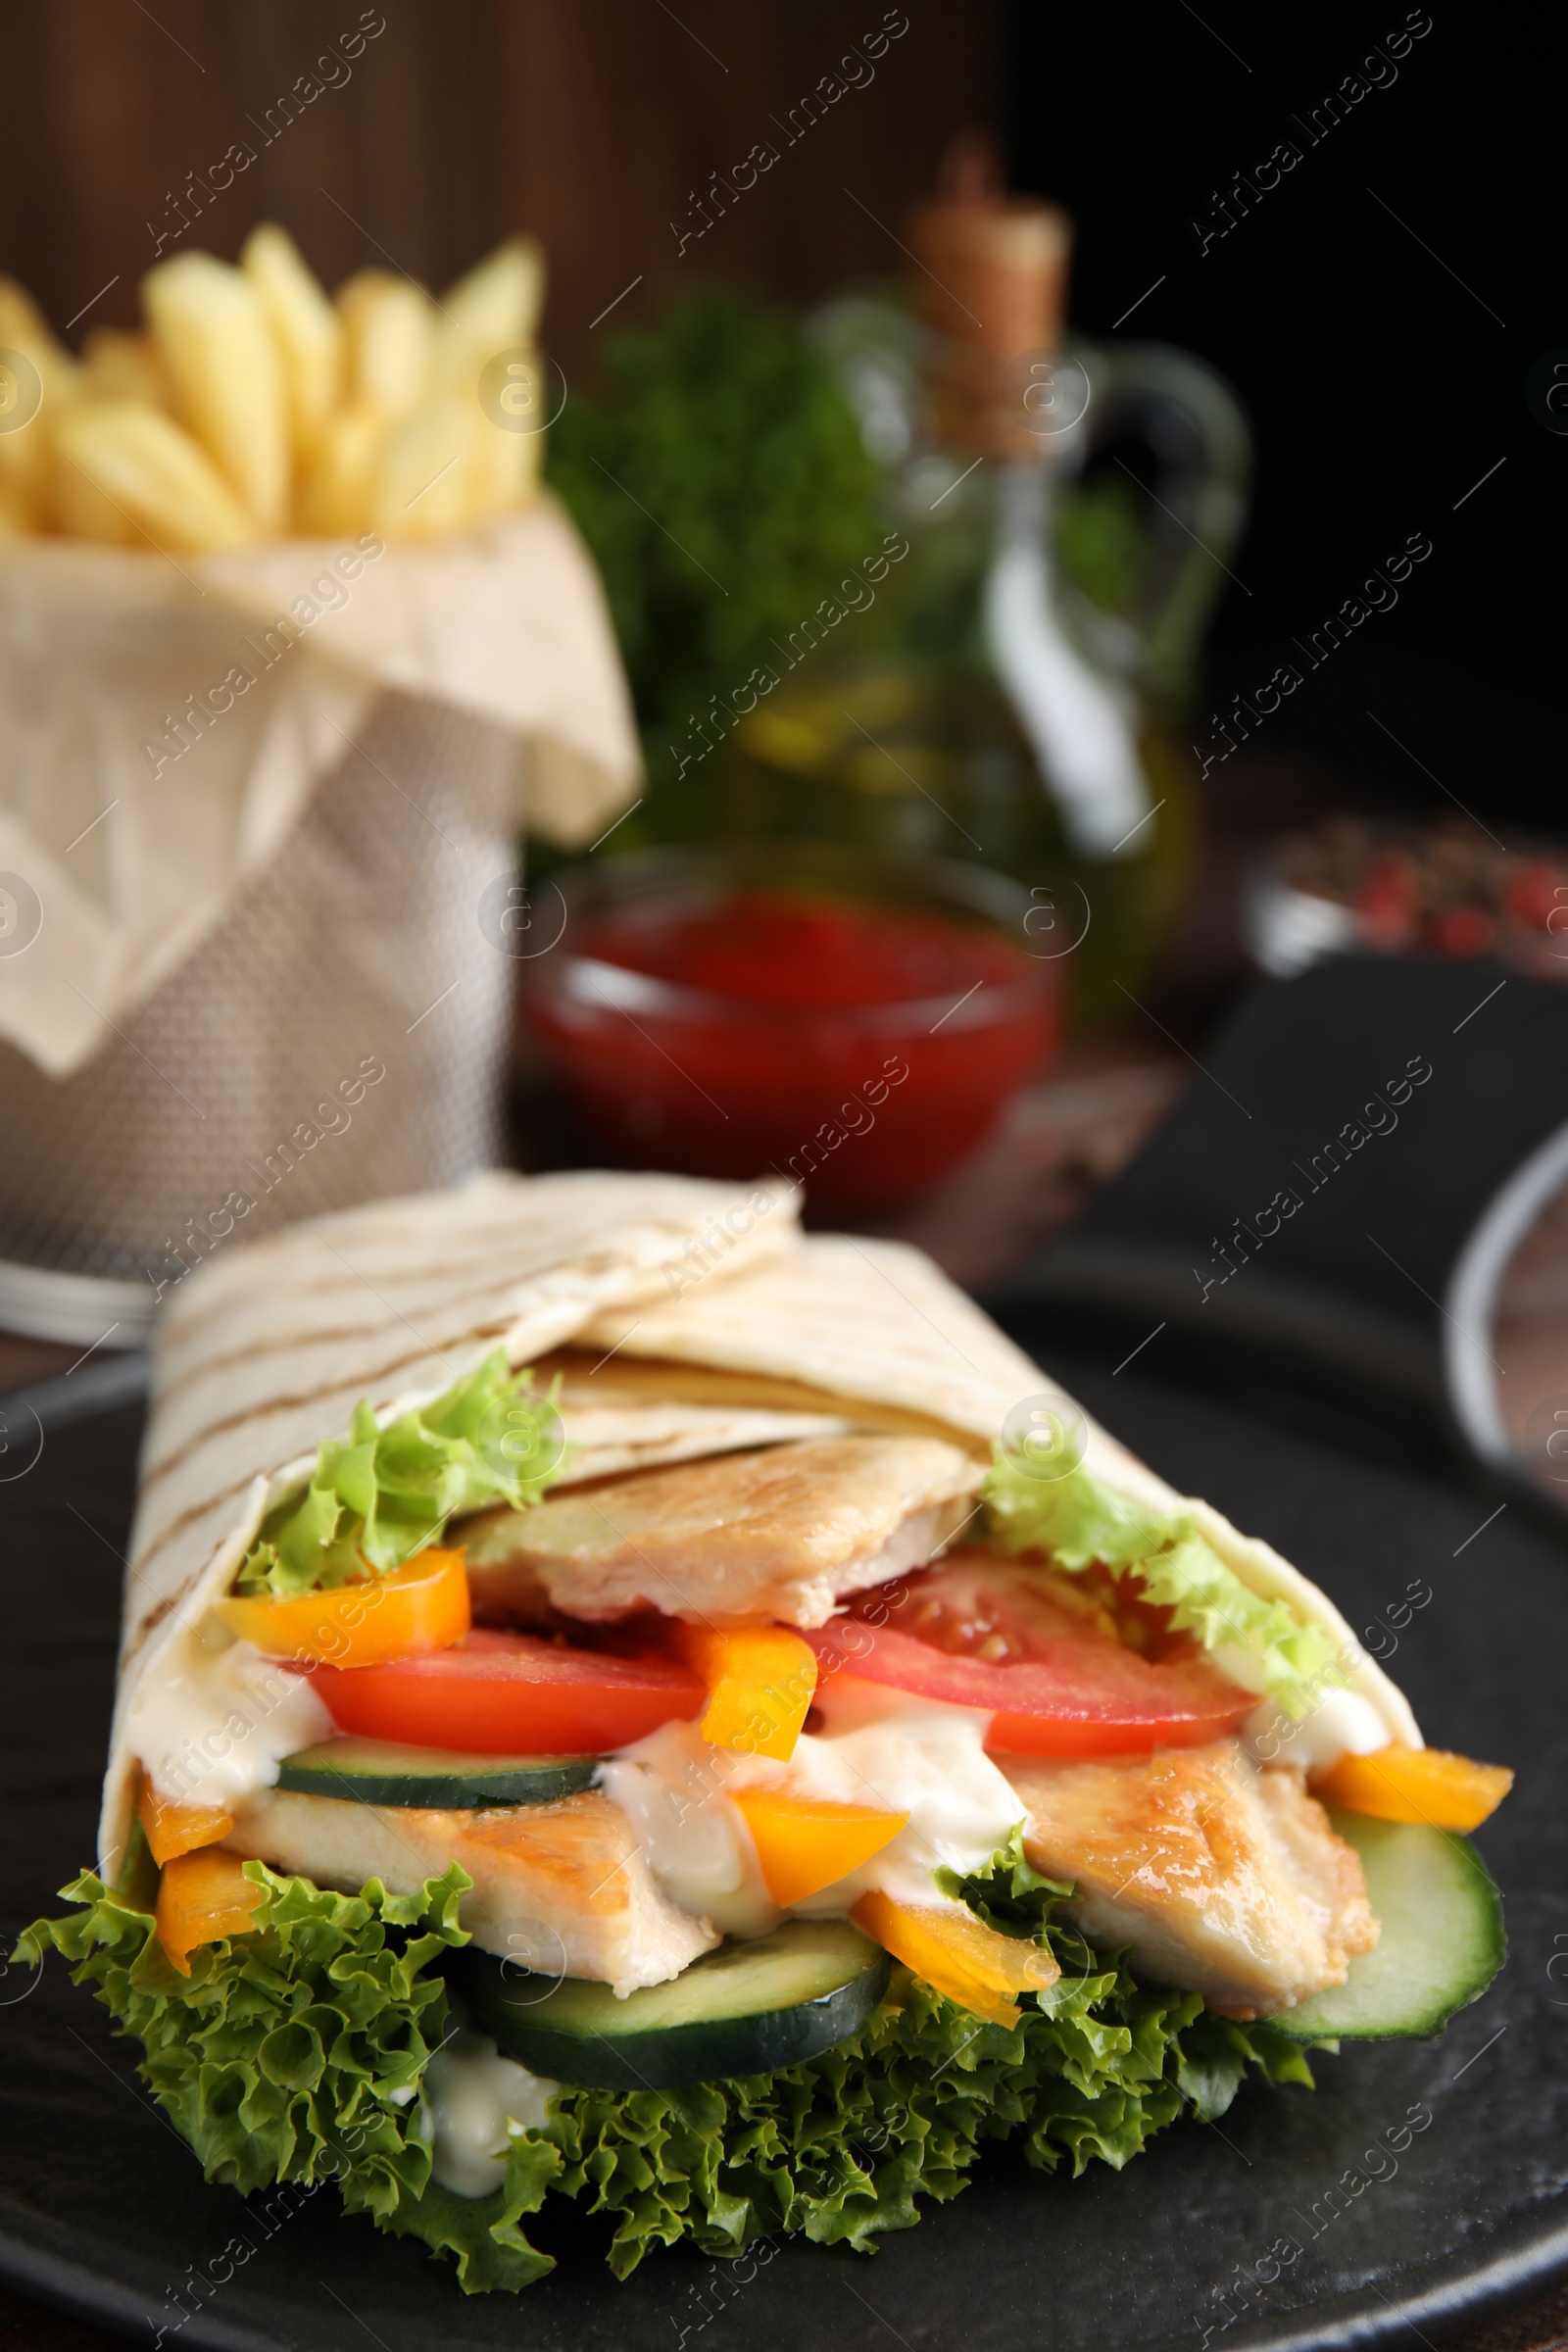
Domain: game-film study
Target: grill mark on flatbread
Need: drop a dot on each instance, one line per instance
(340, 1275)
(198, 1510)
(294, 1242)
(296, 1403)
(161, 1609)
(179, 1334)
(155, 1617)
(284, 1342)
(191, 1514)
(545, 1256)
(174, 1601)
(604, 1259)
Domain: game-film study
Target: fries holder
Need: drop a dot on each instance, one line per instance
(338, 1036)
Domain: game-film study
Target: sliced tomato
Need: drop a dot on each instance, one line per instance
(497, 1693)
(1055, 1682)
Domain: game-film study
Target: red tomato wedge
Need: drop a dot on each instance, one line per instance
(1054, 1682)
(499, 1693)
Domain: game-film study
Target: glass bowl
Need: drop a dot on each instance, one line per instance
(854, 1020)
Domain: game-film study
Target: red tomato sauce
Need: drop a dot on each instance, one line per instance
(799, 950)
(862, 1051)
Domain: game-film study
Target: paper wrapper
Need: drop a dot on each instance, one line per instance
(141, 782)
(267, 1352)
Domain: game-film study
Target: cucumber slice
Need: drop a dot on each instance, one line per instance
(744, 2009)
(1442, 1941)
(386, 1772)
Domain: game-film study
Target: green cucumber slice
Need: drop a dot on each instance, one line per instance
(744, 2009)
(386, 1771)
(1441, 1939)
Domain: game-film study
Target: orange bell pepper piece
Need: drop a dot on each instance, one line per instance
(761, 1679)
(202, 1896)
(421, 1606)
(959, 1954)
(175, 1828)
(1416, 1784)
(804, 1843)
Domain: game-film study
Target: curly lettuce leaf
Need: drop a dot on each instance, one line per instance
(1009, 1894)
(1079, 1522)
(840, 2149)
(388, 1493)
(294, 2054)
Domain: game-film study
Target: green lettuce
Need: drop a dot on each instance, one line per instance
(1080, 1522)
(294, 2054)
(390, 1492)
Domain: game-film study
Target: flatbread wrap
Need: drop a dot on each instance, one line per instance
(627, 1701)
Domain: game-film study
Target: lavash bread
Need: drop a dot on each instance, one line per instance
(269, 1348)
(876, 1320)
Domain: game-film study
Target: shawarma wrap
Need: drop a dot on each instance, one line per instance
(677, 1659)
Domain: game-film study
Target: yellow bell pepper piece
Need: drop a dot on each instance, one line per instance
(175, 1828)
(1416, 1784)
(760, 1679)
(804, 1843)
(202, 1896)
(421, 1606)
(959, 1954)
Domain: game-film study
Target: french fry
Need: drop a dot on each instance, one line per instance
(337, 492)
(78, 507)
(491, 312)
(493, 308)
(504, 466)
(121, 366)
(390, 328)
(214, 338)
(16, 513)
(25, 466)
(307, 330)
(423, 488)
(254, 405)
(152, 473)
(24, 327)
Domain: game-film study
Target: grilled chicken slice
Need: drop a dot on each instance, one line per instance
(1223, 1879)
(562, 1887)
(782, 1533)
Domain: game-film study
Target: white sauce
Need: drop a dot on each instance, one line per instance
(473, 2104)
(212, 1727)
(1341, 1724)
(670, 1787)
(919, 1758)
(881, 1747)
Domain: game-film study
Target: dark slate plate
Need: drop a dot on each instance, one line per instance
(1267, 2229)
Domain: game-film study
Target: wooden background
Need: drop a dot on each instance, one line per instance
(587, 122)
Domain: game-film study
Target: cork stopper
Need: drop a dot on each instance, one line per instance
(991, 282)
